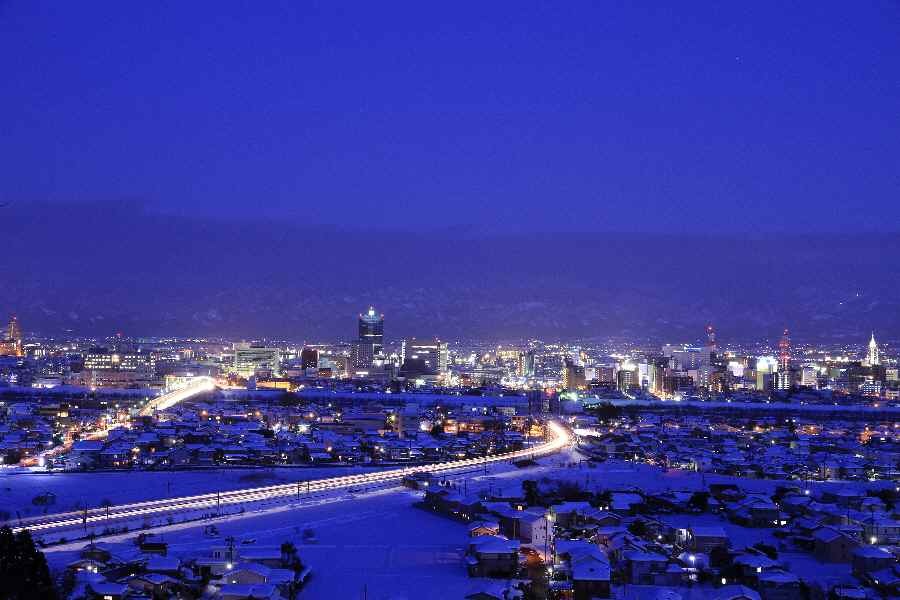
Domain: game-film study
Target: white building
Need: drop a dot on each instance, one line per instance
(248, 359)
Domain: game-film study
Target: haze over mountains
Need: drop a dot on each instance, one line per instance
(102, 268)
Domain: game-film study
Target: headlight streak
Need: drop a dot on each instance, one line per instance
(561, 438)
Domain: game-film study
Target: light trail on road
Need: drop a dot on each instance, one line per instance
(560, 438)
(198, 385)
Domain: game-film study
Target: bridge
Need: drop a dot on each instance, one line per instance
(198, 385)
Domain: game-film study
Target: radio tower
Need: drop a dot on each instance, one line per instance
(784, 362)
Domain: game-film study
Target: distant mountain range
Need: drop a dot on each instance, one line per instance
(99, 269)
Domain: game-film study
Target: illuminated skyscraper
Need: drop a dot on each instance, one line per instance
(627, 377)
(11, 345)
(14, 330)
(873, 357)
(784, 362)
(525, 366)
(426, 357)
(309, 358)
(711, 346)
(572, 375)
(371, 329)
(766, 372)
(370, 343)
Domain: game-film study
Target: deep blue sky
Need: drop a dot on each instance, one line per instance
(593, 116)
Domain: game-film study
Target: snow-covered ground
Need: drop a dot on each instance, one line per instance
(75, 490)
(377, 545)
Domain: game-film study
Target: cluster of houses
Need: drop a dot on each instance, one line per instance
(571, 543)
(226, 570)
(758, 448)
(24, 432)
(217, 434)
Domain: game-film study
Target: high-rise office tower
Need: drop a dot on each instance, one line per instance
(370, 342)
(14, 330)
(525, 366)
(627, 378)
(873, 357)
(572, 375)
(309, 358)
(712, 347)
(784, 362)
(424, 357)
(11, 345)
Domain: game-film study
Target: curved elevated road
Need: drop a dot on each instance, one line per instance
(198, 385)
(559, 438)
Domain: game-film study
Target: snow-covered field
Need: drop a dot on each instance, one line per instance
(75, 490)
(375, 543)
(378, 546)
(378, 543)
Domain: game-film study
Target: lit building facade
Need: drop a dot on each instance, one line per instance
(250, 359)
(105, 368)
(424, 357)
(370, 343)
(873, 356)
(11, 345)
(573, 377)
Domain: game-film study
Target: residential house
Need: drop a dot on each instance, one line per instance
(778, 585)
(105, 590)
(155, 585)
(493, 556)
(831, 545)
(868, 559)
(645, 568)
(484, 528)
(590, 577)
(705, 539)
(881, 529)
(530, 526)
(244, 591)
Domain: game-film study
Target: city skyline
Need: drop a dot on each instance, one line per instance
(370, 343)
(469, 301)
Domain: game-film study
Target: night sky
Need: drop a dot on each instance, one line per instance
(590, 116)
